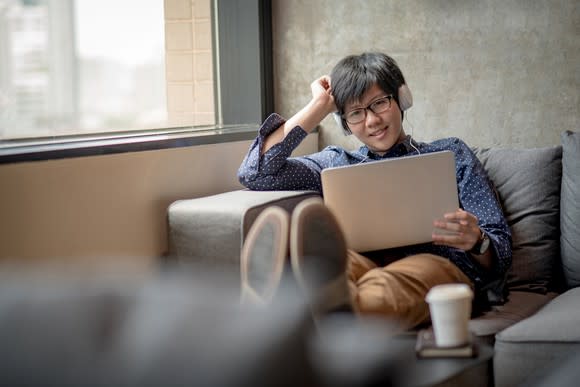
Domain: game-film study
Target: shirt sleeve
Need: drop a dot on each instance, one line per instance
(477, 196)
(275, 169)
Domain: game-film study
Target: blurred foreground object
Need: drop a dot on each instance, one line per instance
(173, 329)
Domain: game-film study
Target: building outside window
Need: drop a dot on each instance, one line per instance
(70, 67)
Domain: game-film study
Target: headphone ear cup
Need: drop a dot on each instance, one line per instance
(337, 119)
(405, 97)
(340, 122)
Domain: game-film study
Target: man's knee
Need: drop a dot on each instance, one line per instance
(397, 302)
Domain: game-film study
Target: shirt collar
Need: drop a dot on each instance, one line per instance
(400, 149)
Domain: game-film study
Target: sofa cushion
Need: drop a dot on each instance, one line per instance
(562, 371)
(570, 208)
(528, 184)
(539, 328)
(534, 342)
(519, 306)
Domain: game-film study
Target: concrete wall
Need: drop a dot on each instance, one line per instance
(493, 72)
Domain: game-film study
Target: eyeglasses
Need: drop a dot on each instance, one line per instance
(356, 116)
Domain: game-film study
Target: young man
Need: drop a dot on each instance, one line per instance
(369, 94)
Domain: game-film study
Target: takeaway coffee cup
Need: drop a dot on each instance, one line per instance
(450, 308)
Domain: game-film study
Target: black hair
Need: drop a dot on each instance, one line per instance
(353, 75)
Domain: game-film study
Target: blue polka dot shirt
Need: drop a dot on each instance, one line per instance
(277, 170)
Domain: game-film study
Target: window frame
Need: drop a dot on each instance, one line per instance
(242, 36)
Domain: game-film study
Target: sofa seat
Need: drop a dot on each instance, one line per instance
(546, 338)
(520, 305)
(210, 231)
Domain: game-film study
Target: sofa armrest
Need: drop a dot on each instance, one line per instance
(210, 230)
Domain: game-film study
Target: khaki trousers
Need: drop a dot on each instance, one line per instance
(397, 291)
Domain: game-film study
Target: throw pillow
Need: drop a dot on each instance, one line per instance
(570, 208)
(528, 184)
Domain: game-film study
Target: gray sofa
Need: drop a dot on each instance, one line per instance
(539, 325)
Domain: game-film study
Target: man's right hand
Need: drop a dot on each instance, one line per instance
(322, 93)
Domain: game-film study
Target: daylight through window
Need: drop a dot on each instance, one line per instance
(85, 66)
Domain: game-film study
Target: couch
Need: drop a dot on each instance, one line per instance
(539, 324)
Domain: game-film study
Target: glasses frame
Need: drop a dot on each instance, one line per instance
(370, 107)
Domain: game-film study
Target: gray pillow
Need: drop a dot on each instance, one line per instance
(570, 208)
(528, 185)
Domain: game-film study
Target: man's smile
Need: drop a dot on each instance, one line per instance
(379, 133)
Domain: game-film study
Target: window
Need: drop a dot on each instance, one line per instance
(80, 66)
(74, 68)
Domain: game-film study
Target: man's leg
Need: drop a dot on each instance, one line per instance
(319, 256)
(333, 277)
(357, 265)
(398, 290)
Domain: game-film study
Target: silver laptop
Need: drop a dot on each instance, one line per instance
(393, 202)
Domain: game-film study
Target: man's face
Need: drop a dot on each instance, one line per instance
(378, 131)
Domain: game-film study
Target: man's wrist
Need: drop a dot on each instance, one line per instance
(323, 106)
(482, 244)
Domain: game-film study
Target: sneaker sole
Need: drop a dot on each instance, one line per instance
(328, 287)
(262, 266)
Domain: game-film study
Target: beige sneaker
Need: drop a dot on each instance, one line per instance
(263, 256)
(318, 255)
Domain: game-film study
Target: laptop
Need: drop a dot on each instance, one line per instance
(393, 202)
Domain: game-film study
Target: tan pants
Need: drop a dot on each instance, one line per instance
(397, 291)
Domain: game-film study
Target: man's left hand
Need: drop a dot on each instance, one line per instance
(457, 229)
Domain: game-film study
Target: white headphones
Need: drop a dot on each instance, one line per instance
(405, 97)
(405, 102)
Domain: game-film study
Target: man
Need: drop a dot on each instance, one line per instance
(369, 94)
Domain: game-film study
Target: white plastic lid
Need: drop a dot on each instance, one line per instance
(449, 292)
